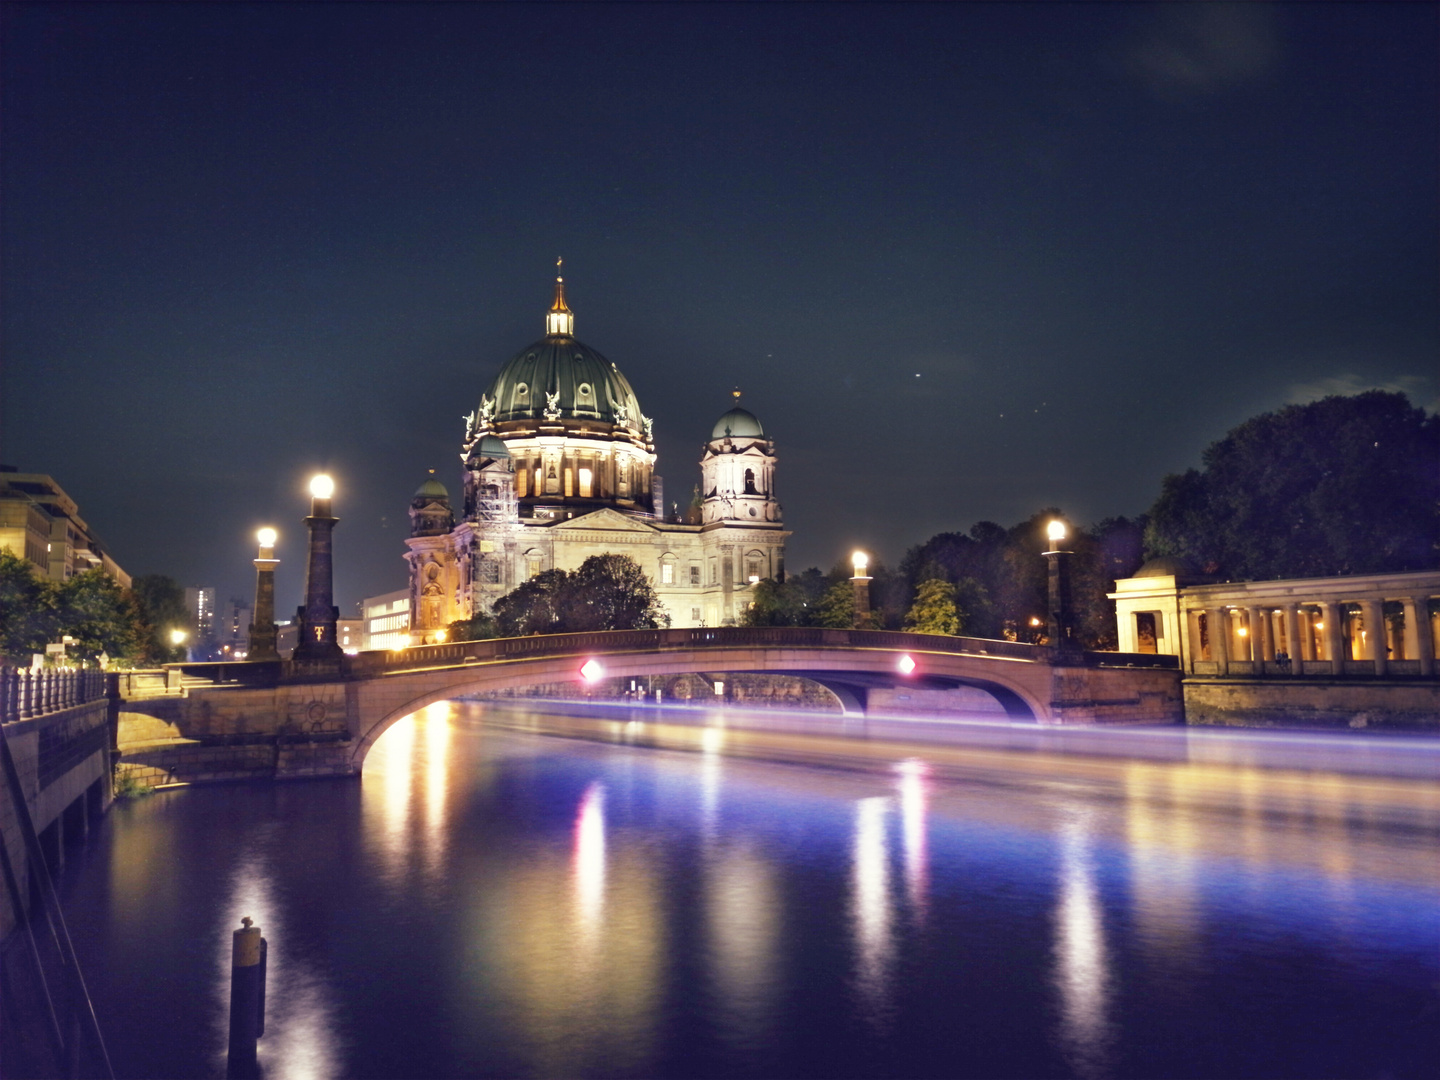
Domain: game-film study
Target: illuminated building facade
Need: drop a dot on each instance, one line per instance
(387, 620)
(42, 525)
(559, 465)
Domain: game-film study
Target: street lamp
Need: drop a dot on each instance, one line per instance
(1061, 628)
(177, 638)
(319, 616)
(262, 625)
(861, 583)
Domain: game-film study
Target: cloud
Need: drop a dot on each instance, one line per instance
(1191, 50)
(1418, 388)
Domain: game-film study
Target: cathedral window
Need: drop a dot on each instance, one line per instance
(695, 576)
(532, 566)
(587, 483)
(695, 615)
(750, 482)
(522, 477)
(667, 573)
(569, 481)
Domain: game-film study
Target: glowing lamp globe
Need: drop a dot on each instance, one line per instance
(860, 561)
(321, 486)
(591, 670)
(1055, 531)
(177, 636)
(906, 665)
(267, 537)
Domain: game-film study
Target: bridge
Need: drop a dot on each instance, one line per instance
(285, 719)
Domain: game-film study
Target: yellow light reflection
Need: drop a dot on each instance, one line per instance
(590, 863)
(870, 906)
(743, 922)
(1081, 963)
(913, 786)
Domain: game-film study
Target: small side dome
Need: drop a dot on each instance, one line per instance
(1166, 566)
(492, 447)
(431, 489)
(738, 423)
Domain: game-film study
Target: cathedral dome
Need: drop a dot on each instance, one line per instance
(431, 489)
(738, 423)
(559, 378)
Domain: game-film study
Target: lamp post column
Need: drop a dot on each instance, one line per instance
(318, 618)
(1061, 626)
(262, 626)
(861, 584)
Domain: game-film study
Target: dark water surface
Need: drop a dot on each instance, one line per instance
(488, 901)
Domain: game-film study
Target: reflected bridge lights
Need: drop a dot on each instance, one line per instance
(906, 665)
(592, 671)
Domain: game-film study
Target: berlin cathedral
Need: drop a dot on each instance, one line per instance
(559, 465)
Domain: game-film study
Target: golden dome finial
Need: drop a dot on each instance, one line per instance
(736, 394)
(559, 320)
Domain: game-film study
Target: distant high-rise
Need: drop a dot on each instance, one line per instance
(200, 604)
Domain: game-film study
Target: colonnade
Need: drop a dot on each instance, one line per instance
(1295, 638)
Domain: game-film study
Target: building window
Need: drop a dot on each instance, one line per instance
(586, 483)
(667, 573)
(694, 614)
(695, 575)
(532, 565)
(752, 570)
(569, 481)
(750, 482)
(489, 572)
(714, 578)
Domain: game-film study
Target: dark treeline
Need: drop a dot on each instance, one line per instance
(129, 626)
(1344, 485)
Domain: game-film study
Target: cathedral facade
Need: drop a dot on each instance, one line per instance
(558, 465)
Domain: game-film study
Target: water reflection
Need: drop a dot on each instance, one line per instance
(1081, 963)
(590, 864)
(913, 790)
(300, 1013)
(871, 913)
(743, 922)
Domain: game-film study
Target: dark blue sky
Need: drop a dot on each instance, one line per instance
(965, 261)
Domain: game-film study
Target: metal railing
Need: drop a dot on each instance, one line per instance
(30, 692)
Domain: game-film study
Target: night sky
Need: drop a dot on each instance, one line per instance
(964, 262)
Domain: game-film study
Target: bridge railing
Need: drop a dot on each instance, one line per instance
(30, 692)
(726, 637)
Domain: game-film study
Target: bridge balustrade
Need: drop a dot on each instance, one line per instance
(28, 692)
(799, 637)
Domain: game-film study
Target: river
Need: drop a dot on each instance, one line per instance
(495, 900)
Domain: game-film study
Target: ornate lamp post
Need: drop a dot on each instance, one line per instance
(262, 627)
(318, 617)
(1062, 623)
(861, 583)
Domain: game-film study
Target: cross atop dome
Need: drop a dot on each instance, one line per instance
(559, 320)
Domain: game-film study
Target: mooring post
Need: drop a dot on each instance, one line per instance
(247, 999)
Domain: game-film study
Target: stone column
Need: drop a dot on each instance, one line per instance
(1192, 628)
(1061, 620)
(1305, 629)
(1417, 623)
(262, 626)
(1330, 617)
(1255, 632)
(1375, 648)
(318, 617)
(1293, 640)
(1217, 627)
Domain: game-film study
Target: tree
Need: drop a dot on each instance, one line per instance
(476, 628)
(99, 615)
(610, 592)
(934, 610)
(837, 607)
(792, 602)
(1344, 485)
(607, 592)
(160, 602)
(27, 609)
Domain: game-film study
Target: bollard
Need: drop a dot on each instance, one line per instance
(247, 997)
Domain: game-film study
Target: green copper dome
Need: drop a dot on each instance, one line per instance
(431, 489)
(738, 423)
(558, 378)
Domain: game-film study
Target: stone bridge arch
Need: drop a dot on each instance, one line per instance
(1021, 687)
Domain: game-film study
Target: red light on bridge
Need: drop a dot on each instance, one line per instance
(591, 670)
(906, 664)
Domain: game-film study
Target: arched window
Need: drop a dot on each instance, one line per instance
(750, 482)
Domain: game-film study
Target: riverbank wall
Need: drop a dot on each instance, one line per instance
(62, 759)
(1350, 703)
